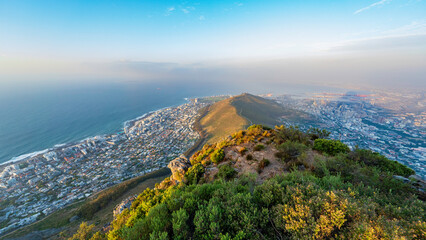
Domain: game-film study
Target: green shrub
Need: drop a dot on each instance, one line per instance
(297, 205)
(217, 156)
(289, 150)
(259, 147)
(226, 172)
(292, 134)
(331, 147)
(194, 173)
(180, 224)
(371, 158)
(316, 133)
(262, 164)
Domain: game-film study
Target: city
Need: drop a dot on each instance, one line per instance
(35, 187)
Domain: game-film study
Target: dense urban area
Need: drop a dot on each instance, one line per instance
(39, 185)
(357, 121)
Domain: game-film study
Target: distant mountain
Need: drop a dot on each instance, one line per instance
(230, 115)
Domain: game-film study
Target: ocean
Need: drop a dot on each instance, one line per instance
(36, 118)
(40, 118)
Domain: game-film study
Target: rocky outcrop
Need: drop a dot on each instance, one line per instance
(416, 183)
(179, 166)
(126, 203)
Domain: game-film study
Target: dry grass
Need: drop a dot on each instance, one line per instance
(222, 120)
(233, 114)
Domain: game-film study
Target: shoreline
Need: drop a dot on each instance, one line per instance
(125, 124)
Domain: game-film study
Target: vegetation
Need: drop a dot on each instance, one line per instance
(374, 159)
(342, 195)
(194, 173)
(289, 150)
(295, 206)
(259, 147)
(262, 164)
(217, 156)
(226, 172)
(331, 147)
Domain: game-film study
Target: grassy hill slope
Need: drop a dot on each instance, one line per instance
(222, 120)
(237, 113)
(258, 110)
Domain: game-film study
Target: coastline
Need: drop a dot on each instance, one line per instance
(126, 124)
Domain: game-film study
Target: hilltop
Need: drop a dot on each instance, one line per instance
(237, 113)
(281, 183)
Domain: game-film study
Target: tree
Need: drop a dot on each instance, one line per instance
(84, 232)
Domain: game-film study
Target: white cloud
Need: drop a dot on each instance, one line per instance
(170, 10)
(187, 9)
(371, 6)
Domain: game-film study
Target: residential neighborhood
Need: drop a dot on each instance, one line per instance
(37, 186)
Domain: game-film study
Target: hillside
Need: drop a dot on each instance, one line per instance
(233, 114)
(280, 183)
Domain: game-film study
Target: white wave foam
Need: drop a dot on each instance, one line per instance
(25, 156)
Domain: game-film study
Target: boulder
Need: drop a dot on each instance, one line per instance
(126, 203)
(179, 166)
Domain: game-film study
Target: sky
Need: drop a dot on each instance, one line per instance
(342, 42)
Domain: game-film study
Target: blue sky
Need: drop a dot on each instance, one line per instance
(36, 34)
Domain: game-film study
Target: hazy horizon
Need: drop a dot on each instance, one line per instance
(362, 44)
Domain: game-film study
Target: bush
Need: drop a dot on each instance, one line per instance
(249, 157)
(194, 173)
(331, 147)
(371, 158)
(84, 232)
(217, 156)
(258, 147)
(226, 172)
(201, 155)
(262, 164)
(316, 133)
(292, 206)
(289, 150)
(292, 134)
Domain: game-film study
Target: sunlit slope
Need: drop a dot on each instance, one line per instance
(222, 120)
(258, 110)
(236, 113)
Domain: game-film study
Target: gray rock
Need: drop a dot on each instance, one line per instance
(179, 166)
(401, 178)
(126, 203)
